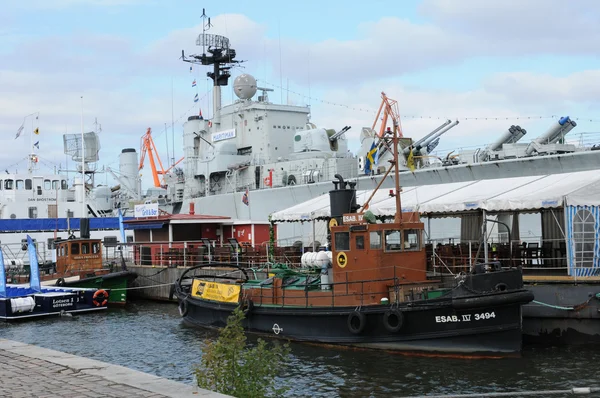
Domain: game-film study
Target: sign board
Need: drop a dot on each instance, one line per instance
(353, 218)
(222, 292)
(146, 210)
(223, 135)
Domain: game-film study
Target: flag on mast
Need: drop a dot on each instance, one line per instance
(194, 83)
(410, 161)
(245, 198)
(196, 98)
(37, 144)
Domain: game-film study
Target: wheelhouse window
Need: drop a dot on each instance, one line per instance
(20, 184)
(360, 242)
(8, 184)
(74, 248)
(55, 184)
(63, 184)
(28, 184)
(411, 239)
(392, 240)
(95, 247)
(47, 184)
(85, 248)
(375, 240)
(342, 241)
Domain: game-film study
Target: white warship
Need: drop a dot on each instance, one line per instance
(254, 157)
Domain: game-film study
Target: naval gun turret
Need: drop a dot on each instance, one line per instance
(553, 135)
(510, 136)
(431, 137)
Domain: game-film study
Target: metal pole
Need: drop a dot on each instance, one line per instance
(484, 232)
(83, 212)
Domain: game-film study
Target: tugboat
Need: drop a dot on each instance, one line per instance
(370, 291)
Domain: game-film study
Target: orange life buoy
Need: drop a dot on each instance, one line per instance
(100, 297)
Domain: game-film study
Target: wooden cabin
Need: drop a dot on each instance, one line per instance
(78, 255)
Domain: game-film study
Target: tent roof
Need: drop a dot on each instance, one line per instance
(502, 194)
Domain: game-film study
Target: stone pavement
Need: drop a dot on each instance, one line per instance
(28, 371)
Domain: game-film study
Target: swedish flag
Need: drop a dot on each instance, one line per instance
(372, 157)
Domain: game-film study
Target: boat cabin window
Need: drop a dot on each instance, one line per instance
(342, 241)
(95, 247)
(55, 184)
(33, 212)
(28, 184)
(63, 250)
(85, 248)
(1, 185)
(375, 240)
(8, 184)
(74, 248)
(47, 184)
(411, 239)
(392, 240)
(63, 184)
(20, 184)
(360, 242)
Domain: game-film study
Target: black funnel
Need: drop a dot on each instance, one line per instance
(342, 199)
(84, 226)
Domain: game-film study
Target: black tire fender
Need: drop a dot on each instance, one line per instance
(356, 322)
(183, 308)
(393, 320)
(247, 306)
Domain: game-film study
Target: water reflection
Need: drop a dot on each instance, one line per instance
(150, 337)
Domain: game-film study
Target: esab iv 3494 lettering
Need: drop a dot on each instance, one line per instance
(465, 317)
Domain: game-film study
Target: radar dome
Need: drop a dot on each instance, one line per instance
(244, 86)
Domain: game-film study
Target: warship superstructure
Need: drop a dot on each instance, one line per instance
(254, 157)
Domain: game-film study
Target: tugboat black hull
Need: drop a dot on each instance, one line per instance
(436, 328)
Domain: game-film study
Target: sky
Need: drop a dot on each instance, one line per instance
(489, 64)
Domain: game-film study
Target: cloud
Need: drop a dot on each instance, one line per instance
(529, 88)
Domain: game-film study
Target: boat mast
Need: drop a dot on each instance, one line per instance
(83, 208)
(398, 217)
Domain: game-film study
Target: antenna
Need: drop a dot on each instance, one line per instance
(215, 52)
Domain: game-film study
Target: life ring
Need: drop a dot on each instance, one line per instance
(393, 320)
(247, 306)
(100, 297)
(183, 308)
(356, 322)
(60, 282)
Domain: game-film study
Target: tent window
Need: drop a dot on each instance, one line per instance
(342, 241)
(584, 238)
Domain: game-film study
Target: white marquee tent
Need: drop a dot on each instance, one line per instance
(503, 194)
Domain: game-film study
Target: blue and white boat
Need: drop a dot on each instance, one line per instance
(26, 301)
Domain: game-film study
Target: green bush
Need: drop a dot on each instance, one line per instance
(230, 367)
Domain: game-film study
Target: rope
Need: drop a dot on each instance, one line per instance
(575, 390)
(142, 287)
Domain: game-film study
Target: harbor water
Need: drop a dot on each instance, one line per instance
(151, 337)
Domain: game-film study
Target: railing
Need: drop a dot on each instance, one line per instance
(396, 290)
(548, 256)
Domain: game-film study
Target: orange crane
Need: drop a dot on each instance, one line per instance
(148, 146)
(390, 109)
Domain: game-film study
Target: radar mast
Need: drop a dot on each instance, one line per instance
(216, 52)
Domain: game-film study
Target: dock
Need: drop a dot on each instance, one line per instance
(31, 371)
